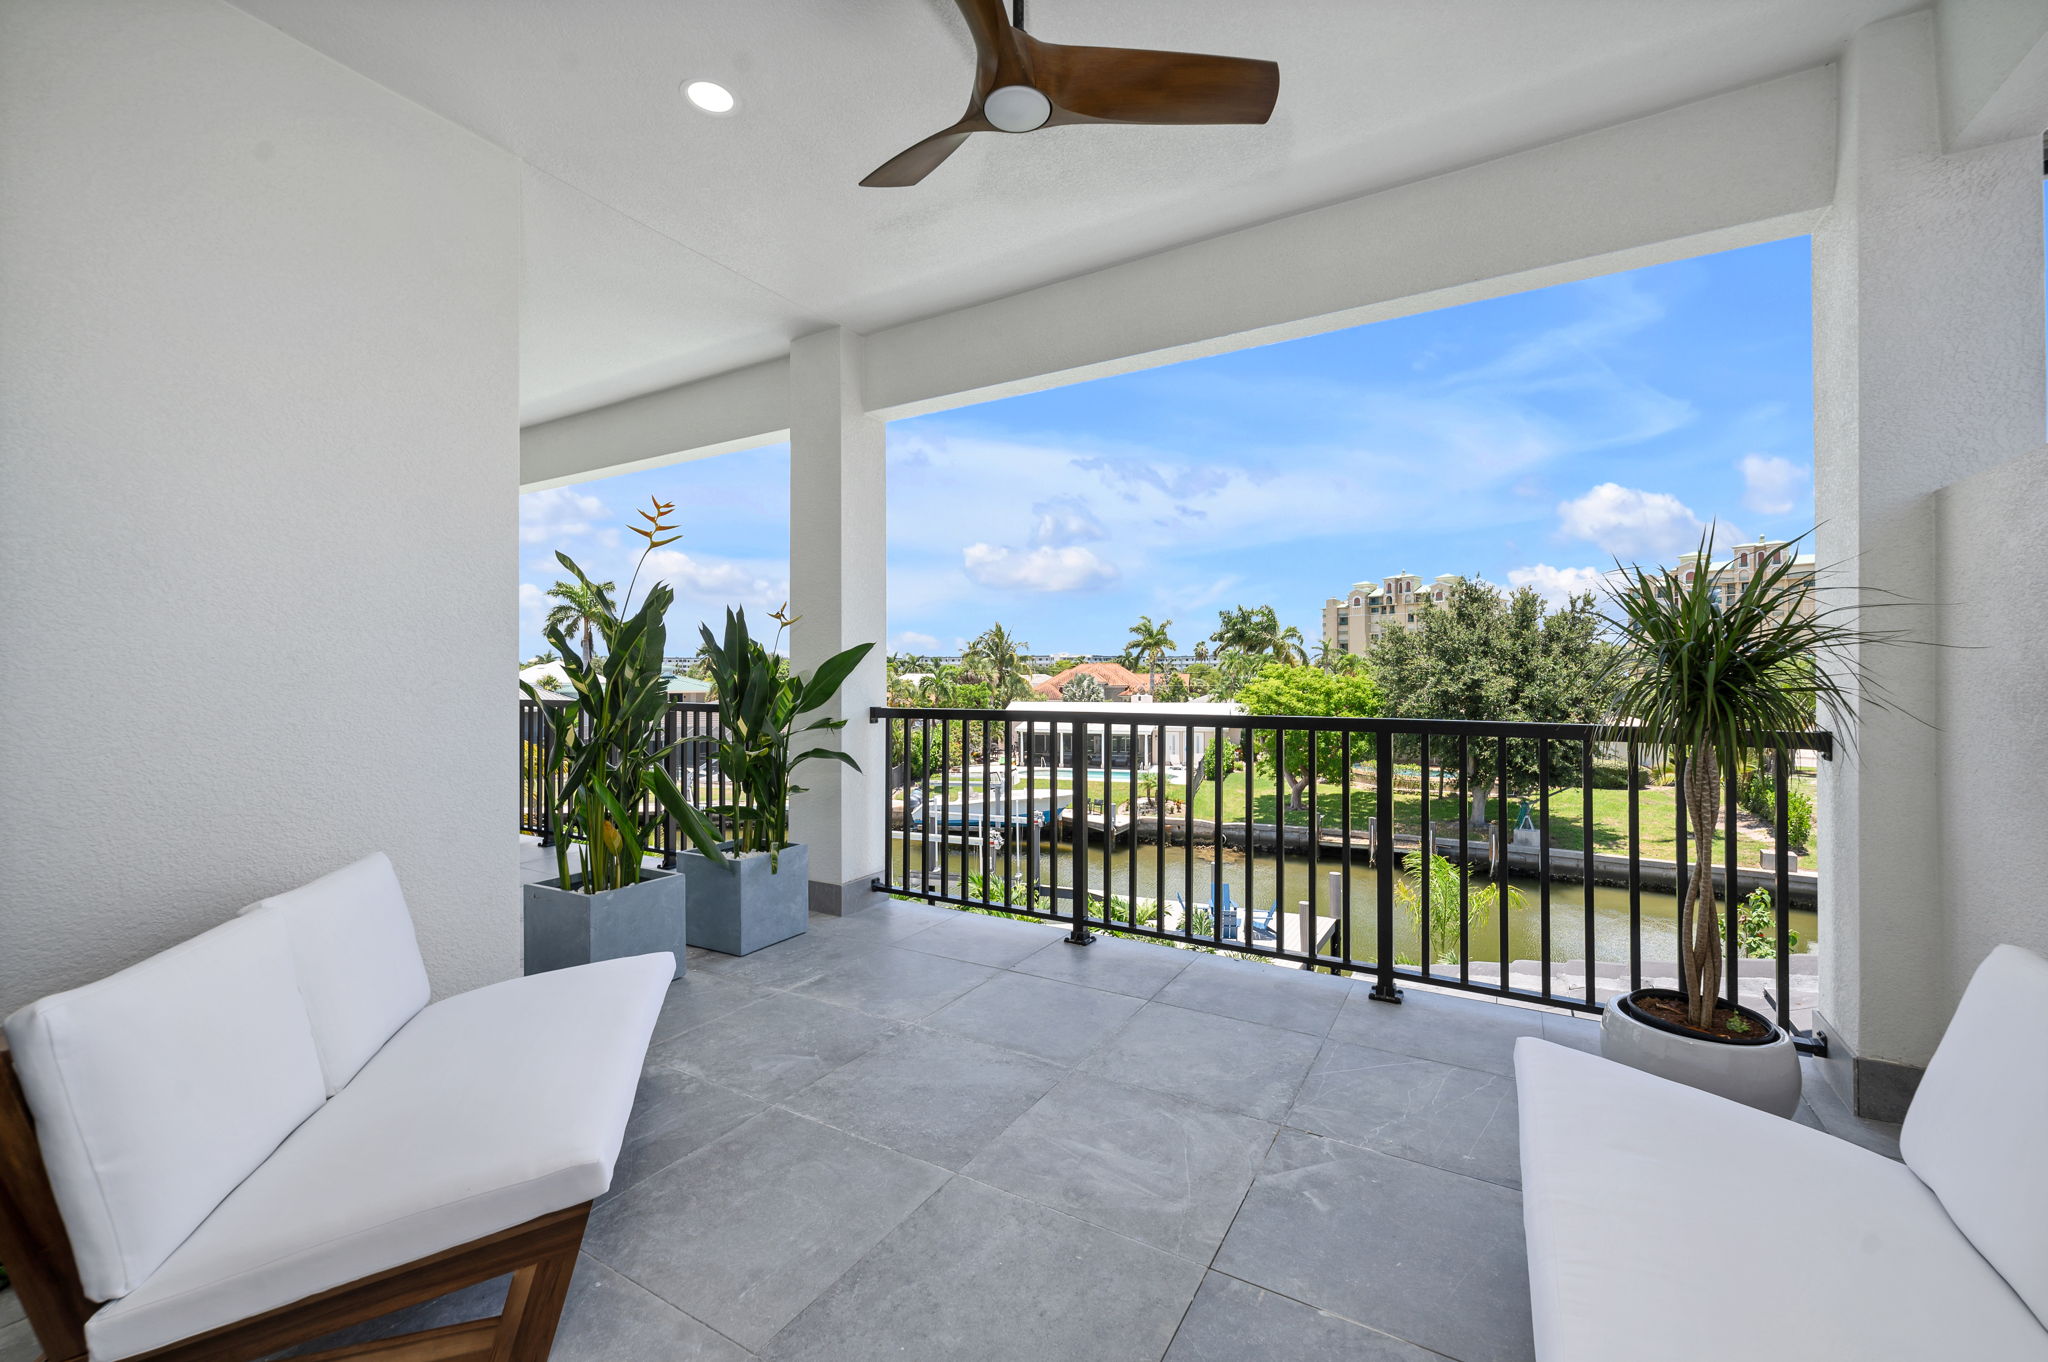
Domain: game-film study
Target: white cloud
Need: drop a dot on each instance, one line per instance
(1628, 522)
(1046, 568)
(1557, 585)
(910, 641)
(533, 608)
(1065, 520)
(721, 579)
(556, 514)
(1771, 485)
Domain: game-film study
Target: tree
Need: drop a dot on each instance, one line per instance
(1256, 630)
(1083, 689)
(1295, 688)
(1246, 629)
(1217, 761)
(1328, 656)
(585, 605)
(938, 689)
(1151, 642)
(1487, 655)
(995, 657)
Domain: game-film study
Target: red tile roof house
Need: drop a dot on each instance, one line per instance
(1118, 680)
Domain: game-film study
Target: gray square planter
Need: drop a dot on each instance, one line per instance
(566, 928)
(740, 907)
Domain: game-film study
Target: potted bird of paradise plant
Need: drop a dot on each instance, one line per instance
(1710, 672)
(759, 894)
(610, 789)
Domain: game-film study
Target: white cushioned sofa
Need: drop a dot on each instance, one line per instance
(273, 1113)
(1667, 1222)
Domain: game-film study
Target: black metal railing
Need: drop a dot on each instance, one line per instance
(1382, 847)
(688, 729)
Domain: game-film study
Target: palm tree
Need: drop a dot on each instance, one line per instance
(1243, 630)
(583, 606)
(936, 690)
(997, 657)
(1288, 646)
(1327, 655)
(1151, 642)
(1256, 630)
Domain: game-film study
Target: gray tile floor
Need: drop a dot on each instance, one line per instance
(921, 1135)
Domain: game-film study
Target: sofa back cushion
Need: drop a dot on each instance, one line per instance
(157, 1090)
(358, 961)
(1973, 1133)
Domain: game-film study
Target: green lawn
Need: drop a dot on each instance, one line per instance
(1656, 811)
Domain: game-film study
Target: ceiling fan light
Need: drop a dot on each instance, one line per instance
(1016, 108)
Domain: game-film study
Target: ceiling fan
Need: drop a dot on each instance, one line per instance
(1022, 85)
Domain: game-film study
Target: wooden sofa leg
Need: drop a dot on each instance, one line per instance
(533, 1309)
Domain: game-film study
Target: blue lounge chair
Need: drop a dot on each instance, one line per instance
(1226, 913)
(1263, 924)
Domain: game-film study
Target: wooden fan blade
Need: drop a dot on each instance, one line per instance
(920, 159)
(1134, 85)
(999, 58)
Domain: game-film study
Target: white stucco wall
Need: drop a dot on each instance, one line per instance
(258, 481)
(1994, 779)
(1928, 371)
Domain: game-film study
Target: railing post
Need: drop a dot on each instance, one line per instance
(1383, 990)
(544, 781)
(1078, 838)
(671, 727)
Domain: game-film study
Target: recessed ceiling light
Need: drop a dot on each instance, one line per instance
(709, 96)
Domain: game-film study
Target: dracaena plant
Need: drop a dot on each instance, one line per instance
(761, 700)
(614, 790)
(1715, 673)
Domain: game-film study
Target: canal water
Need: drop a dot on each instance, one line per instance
(1286, 880)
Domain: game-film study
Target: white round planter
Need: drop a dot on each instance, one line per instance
(1764, 1075)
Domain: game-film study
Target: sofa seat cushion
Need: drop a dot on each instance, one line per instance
(1670, 1223)
(484, 1111)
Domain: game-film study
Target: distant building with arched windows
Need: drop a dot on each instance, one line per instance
(1744, 561)
(1352, 621)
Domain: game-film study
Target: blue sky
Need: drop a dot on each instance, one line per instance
(1531, 438)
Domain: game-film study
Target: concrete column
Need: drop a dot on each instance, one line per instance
(1927, 368)
(838, 545)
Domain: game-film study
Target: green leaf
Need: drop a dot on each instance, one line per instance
(829, 676)
(692, 823)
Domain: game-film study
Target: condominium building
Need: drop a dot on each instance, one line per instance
(1744, 561)
(1352, 621)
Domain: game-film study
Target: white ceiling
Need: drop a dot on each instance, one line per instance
(665, 244)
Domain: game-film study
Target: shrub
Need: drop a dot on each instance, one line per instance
(1756, 927)
(1611, 774)
(1757, 794)
(1799, 819)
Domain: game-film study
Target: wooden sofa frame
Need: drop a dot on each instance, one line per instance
(540, 1255)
